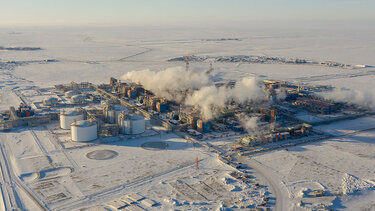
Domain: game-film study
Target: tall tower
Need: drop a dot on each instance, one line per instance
(273, 115)
(211, 69)
(187, 62)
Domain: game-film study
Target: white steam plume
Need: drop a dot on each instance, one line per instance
(362, 98)
(210, 96)
(250, 124)
(168, 82)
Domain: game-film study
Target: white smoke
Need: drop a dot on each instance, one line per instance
(206, 98)
(209, 97)
(250, 124)
(362, 98)
(167, 83)
(281, 94)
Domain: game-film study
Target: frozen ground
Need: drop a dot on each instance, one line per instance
(342, 166)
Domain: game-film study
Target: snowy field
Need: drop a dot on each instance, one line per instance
(343, 167)
(66, 179)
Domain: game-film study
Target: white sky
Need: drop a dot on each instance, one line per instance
(177, 12)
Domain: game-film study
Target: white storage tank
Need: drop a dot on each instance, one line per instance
(84, 130)
(77, 99)
(118, 111)
(71, 93)
(68, 117)
(50, 101)
(113, 113)
(132, 125)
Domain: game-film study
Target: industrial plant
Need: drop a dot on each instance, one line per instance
(147, 124)
(287, 112)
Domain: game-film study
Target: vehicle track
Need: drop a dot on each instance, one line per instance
(120, 188)
(38, 142)
(334, 76)
(280, 191)
(8, 185)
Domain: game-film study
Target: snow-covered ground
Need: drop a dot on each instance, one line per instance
(342, 166)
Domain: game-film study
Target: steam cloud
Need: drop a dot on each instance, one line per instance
(210, 96)
(363, 98)
(250, 123)
(168, 82)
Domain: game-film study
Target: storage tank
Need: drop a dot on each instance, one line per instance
(50, 101)
(71, 93)
(77, 99)
(140, 99)
(132, 125)
(118, 111)
(84, 130)
(68, 117)
(173, 116)
(112, 113)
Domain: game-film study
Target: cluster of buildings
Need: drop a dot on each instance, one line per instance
(267, 60)
(280, 134)
(90, 111)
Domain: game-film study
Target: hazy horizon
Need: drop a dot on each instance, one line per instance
(182, 13)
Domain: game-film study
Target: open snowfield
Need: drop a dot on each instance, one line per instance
(342, 166)
(67, 179)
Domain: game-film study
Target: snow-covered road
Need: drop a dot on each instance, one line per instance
(280, 191)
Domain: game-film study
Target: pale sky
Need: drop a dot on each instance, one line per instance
(175, 12)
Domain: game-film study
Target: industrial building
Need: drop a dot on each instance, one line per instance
(123, 109)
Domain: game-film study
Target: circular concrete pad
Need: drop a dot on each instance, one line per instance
(101, 154)
(157, 145)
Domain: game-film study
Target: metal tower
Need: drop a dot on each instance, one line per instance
(187, 62)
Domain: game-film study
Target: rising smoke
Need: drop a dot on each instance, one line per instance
(209, 97)
(169, 82)
(250, 124)
(362, 98)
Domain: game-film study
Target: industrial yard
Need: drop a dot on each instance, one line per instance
(81, 130)
(207, 131)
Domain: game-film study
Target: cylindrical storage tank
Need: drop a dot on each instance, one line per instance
(111, 116)
(121, 116)
(68, 117)
(77, 99)
(140, 100)
(84, 130)
(113, 113)
(71, 93)
(50, 101)
(118, 111)
(132, 125)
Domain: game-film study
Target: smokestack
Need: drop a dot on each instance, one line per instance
(187, 62)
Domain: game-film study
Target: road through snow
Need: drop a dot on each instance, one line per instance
(280, 191)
